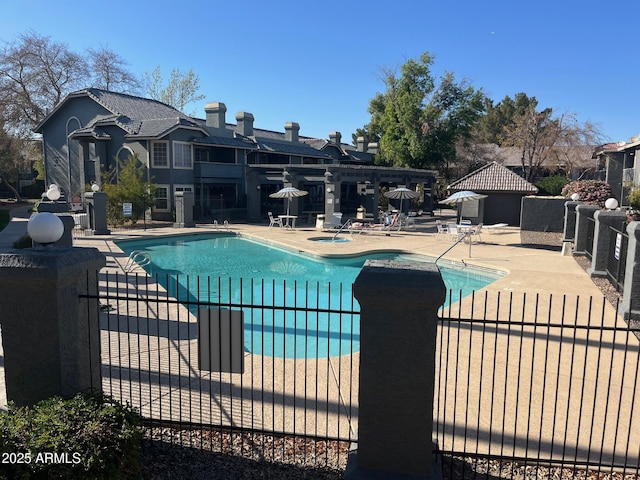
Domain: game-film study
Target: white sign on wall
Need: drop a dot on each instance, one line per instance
(616, 252)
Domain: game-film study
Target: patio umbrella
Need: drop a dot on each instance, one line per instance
(401, 193)
(289, 193)
(462, 196)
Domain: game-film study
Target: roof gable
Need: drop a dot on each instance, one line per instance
(137, 116)
(493, 177)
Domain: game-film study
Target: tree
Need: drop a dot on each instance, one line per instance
(419, 120)
(131, 187)
(109, 71)
(368, 136)
(492, 125)
(10, 160)
(179, 91)
(35, 74)
(542, 138)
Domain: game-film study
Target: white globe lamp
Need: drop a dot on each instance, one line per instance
(53, 193)
(575, 197)
(611, 204)
(95, 187)
(45, 228)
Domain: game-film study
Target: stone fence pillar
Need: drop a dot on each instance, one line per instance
(584, 214)
(398, 325)
(602, 240)
(97, 206)
(50, 336)
(569, 231)
(629, 309)
(184, 210)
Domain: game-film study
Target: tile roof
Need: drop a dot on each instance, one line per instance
(493, 177)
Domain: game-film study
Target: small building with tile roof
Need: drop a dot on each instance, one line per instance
(504, 190)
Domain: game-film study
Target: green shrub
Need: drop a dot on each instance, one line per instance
(23, 242)
(634, 198)
(552, 185)
(88, 436)
(590, 192)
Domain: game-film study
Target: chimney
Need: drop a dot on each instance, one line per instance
(360, 145)
(373, 147)
(291, 130)
(216, 114)
(335, 137)
(245, 123)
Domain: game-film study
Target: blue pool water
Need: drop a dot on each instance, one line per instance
(242, 273)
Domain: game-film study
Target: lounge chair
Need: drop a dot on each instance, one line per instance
(273, 221)
(335, 223)
(390, 222)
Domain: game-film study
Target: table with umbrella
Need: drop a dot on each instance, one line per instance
(289, 193)
(401, 193)
(459, 198)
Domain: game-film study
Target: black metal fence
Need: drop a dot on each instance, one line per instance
(522, 382)
(617, 261)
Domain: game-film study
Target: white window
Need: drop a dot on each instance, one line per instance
(162, 198)
(183, 188)
(159, 155)
(182, 157)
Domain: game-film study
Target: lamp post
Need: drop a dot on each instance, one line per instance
(45, 228)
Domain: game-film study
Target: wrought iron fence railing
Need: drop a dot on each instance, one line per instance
(527, 381)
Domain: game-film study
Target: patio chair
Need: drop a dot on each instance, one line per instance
(453, 232)
(475, 233)
(442, 230)
(273, 221)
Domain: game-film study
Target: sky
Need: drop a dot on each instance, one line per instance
(318, 63)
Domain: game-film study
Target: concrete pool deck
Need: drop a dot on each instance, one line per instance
(530, 272)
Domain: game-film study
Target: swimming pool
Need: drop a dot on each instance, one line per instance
(232, 270)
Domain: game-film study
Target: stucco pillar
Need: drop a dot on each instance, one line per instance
(97, 205)
(50, 336)
(569, 230)
(184, 210)
(630, 306)
(602, 240)
(584, 213)
(253, 197)
(398, 324)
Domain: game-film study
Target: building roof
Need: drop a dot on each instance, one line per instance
(493, 177)
(137, 116)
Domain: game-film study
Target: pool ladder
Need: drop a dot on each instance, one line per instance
(137, 258)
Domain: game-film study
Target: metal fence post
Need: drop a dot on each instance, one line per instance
(51, 338)
(398, 326)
